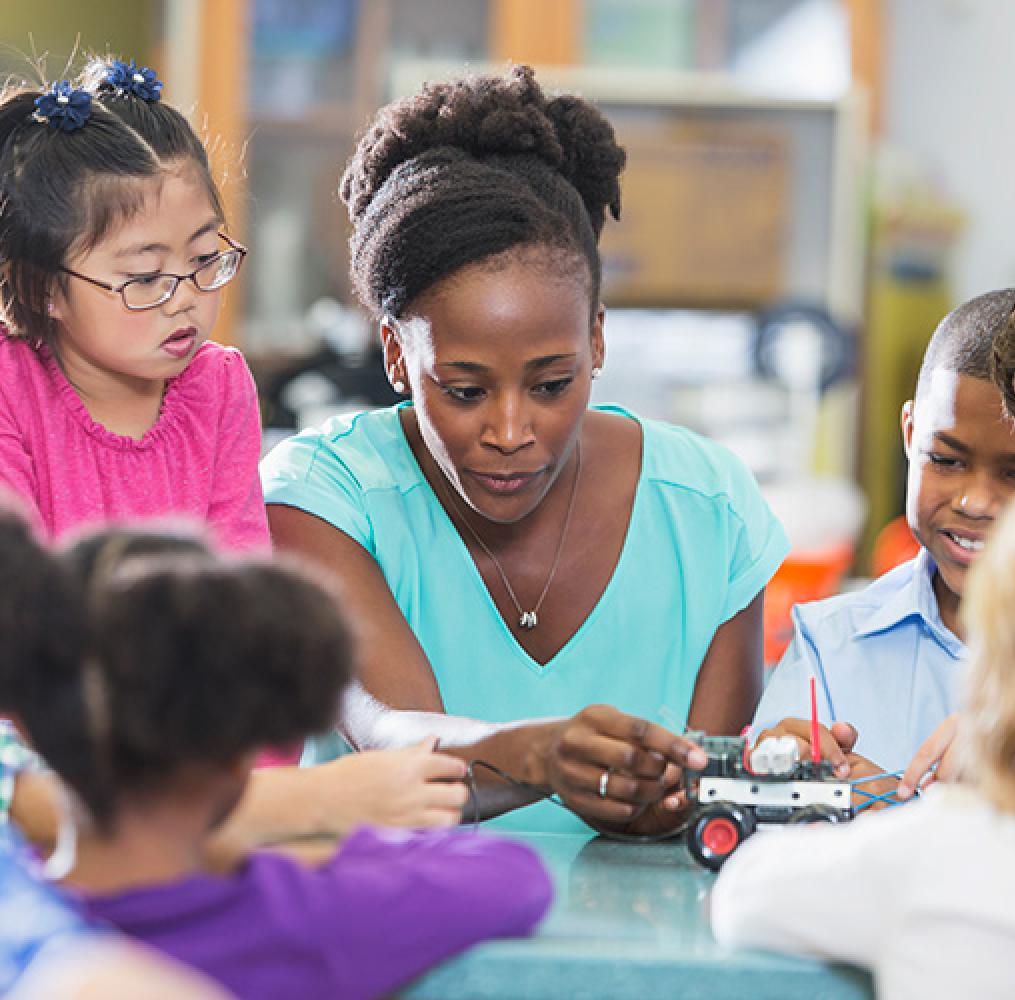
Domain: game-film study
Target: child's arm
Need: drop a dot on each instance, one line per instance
(236, 513)
(837, 747)
(784, 709)
(412, 787)
(17, 471)
(427, 894)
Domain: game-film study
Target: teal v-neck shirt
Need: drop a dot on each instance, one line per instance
(700, 546)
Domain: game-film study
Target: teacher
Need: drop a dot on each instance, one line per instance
(538, 584)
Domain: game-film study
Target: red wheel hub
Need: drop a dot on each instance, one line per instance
(719, 836)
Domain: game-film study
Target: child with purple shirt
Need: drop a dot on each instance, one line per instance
(188, 664)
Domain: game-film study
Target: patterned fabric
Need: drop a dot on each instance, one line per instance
(14, 758)
(32, 913)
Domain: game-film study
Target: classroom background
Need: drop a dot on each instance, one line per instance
(811, 185)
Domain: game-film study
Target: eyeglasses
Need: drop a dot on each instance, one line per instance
(152, 290)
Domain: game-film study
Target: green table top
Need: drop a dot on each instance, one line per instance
(629, 921)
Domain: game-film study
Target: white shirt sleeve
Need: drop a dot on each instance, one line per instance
(823, 890)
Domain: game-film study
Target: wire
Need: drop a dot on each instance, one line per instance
(889, 798)
(470, 774)
(876, 777)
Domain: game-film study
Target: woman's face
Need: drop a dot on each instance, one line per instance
(498, 358)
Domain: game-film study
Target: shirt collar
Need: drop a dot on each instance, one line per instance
(914, 597)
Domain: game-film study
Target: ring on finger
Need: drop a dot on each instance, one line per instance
(604, 780)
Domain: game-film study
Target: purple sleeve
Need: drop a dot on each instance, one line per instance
(236, 513)
(393, 903)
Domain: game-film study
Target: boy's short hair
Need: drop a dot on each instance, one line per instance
(965, 340)
(1002, 364)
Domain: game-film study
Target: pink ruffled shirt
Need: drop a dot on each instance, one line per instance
(198, 462)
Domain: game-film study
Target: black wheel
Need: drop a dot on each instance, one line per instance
(716, 830)
(817, 814)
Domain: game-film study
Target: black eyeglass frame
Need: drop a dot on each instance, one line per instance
(234, 247)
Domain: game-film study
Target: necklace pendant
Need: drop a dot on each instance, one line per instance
(529, 619)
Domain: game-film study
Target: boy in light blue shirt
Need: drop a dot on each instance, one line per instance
(888, 658)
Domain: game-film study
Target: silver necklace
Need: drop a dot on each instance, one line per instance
(527, 619)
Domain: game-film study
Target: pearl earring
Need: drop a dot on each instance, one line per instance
(398, 385)
(595, 372)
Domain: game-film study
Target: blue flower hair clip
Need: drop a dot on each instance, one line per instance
(131, 79)
(63, 108)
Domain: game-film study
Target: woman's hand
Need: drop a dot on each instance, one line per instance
(610, 767)
(938, 749)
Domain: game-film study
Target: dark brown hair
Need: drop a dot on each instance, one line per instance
(468, 170)
(967, 340)
(62, 192)
(175, 657)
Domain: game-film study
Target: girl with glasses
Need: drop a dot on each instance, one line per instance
(114, 402)
(116, 406)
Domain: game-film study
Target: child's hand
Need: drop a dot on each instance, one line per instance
(410, 787)
(836, 742)
(413, 787)
(861, 767)
(939, 748)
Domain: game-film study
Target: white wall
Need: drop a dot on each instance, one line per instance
(950, 99)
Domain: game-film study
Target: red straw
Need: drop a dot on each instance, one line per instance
(815, 738)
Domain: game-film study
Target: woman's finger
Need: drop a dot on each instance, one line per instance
(608, 783)
(642, 736)
(610, 811)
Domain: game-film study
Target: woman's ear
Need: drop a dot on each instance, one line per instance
(598, 341)
(394, 358)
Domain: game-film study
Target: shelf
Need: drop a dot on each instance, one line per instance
(338, 122)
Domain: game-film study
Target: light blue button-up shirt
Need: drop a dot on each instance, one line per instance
(884, 662)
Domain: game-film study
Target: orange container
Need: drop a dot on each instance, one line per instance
(803, 576)
(895, 544)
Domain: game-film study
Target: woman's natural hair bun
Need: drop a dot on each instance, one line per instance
(490, 118)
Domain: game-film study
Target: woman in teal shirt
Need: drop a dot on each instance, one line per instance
(566, 575)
